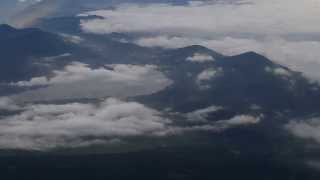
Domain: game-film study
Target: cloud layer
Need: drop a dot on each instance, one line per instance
(307, 129)
(78, 80)
(286, 31)
(46, 126)
(69, 125)
(254, 17)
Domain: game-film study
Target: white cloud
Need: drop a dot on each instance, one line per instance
(200, 58)
(78, 80)
(72, 38)
(49, 126)
(207, 75)
(217, 126)
(307, 129)
(256, 16)
(240, 120)
(202, 114)
(46, 126)
(286, 31)
(299, 55)
(77, 71)
(29, 1)
(278, 71)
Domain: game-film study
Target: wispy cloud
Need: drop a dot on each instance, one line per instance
(202, 114)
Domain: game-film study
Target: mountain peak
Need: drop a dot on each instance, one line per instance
(250, 59)
(197, 48)
(252, 54)
(191, 50)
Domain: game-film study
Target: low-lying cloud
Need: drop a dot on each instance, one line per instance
(45, 126)
(200, 58)
(218, 126)
(204, 77)
(202, 114)
(306, 129)
(69, 125)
